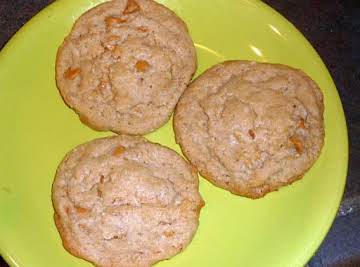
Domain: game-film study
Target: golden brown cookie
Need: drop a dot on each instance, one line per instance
(124, 65)
(123, 201)
(250, 127)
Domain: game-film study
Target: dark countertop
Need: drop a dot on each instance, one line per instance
(333, 28)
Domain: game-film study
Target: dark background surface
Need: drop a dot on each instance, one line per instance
(333, 28)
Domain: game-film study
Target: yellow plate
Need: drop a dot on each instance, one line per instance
(37, 129)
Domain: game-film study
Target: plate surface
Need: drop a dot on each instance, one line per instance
(37, 129)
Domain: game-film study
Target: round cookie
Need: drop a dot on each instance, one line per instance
(250, 127)
(123, 201)
(124, 65)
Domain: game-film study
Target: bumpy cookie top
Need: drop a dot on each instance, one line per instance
(123, 201)
(251, 127)
(125, 64)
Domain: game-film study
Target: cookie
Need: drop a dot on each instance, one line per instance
(249, 127)
(123, 201)
(124, 65)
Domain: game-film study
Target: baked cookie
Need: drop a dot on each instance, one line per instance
(123, 201)
(249, 127)
(124, 65)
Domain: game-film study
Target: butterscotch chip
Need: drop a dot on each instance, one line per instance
(302, 123)
(71, 74)
(131, 7)
(81, 210)
(110, 21)
(298, 144)
(142, 29)
(133, 210)
(142, 65)
(169, 233)
(242, 124)
(252, 134)
(141, 49)
(118, 151)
